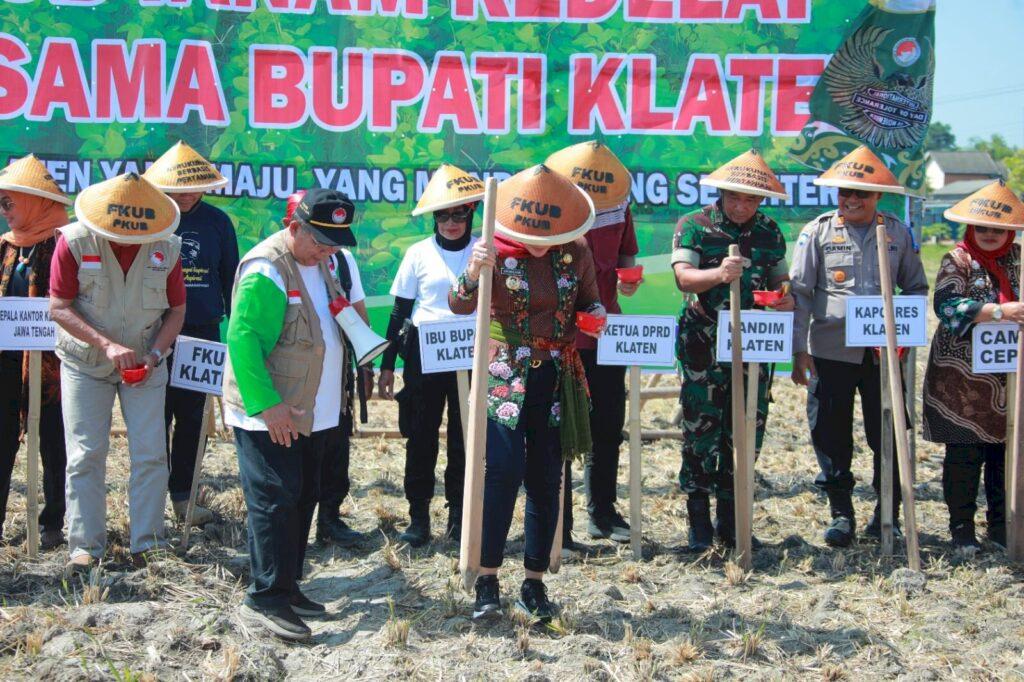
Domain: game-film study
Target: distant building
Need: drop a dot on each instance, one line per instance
(952, 176)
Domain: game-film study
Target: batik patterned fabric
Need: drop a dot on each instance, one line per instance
(703, 238)
(961, 407)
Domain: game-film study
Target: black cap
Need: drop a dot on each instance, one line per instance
(329, 214)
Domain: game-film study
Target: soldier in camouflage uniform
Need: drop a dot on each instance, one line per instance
(703, 270)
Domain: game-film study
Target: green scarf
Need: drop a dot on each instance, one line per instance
(571, 385)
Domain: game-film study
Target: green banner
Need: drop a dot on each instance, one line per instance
(368, 96)
(877, 90)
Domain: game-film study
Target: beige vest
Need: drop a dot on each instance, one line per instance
(127, 309)
(296, 362)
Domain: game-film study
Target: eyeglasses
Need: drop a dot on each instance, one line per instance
(6, 205)
(455, 214)
(859, 193)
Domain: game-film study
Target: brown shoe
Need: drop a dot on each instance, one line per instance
(79, 564)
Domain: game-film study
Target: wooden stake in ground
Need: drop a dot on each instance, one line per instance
(753, 381)
(1015, 471)
(635, 511)
(885, 475)
(899, 411)
(35, 363)
(197, 472)
(462, 381)
(1011, 430)
(741, 475)
(476, 440)
(555, 558)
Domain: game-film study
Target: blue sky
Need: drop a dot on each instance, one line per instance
(980, 51)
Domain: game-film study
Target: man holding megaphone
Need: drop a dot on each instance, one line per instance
(284, 389)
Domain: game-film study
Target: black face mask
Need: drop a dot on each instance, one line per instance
(455, 244)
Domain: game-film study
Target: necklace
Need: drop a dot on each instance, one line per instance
(24, 260)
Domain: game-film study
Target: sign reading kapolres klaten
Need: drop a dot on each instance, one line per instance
(369, 96)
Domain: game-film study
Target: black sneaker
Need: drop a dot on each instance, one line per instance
(840, 532)
(488, 597)
(533, 601)
(335, 531)
(417, 533)
(280, 620)
(997, 535)
(611, 526)
(874, 529)
(304, 606)
(964, 539)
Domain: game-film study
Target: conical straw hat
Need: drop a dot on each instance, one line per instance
(540, 207)
(182, 169)
(29, 175)
(449, 186)
(993, 205)
(861, 169)
(596, 170)
(127, 210)
(747, 173)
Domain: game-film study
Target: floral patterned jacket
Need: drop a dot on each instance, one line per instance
(533, 310)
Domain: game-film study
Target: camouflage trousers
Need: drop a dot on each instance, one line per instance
(706, 399)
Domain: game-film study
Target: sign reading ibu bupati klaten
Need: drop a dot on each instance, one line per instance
(447, 346)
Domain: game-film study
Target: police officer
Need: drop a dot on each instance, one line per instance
(836, 256)
(703, 269)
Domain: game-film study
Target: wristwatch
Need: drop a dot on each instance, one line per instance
(997, 314)
(159, 356)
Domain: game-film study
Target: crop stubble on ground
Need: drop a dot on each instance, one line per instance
(805, 612)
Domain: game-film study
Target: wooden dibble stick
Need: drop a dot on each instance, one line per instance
(742, 468)
(555, 558)
(476, 441)
(197, 472)
(35, 364)
(1015, 468)
(635, 471)
(899, 411)
(462, 384)
(886, 470)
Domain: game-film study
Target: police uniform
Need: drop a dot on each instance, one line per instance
(832, 261)
(702, 240)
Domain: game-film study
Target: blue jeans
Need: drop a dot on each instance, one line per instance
(281, 487)
(529, 455)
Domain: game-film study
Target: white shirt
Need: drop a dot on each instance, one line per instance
(426, 274)
(327, 404)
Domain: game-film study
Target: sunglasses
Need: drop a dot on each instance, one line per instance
(859, 193)
(456, 214)
(6, 205)
(978, 229)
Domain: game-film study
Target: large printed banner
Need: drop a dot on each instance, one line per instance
(368, 96)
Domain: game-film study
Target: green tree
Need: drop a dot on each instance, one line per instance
(1015, 166)
(940, 138)
(997, 147)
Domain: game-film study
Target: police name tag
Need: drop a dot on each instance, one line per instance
(447, 345)
(865, 321)
(766, 336)
(994, 347)
(198, 365)
(638, 340)
(25, 324)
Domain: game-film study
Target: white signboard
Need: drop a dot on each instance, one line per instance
(865, 321)
(766, 336)
(994, 348)
(198, 365)
(25, 324)
(447, 345)
(640, 340)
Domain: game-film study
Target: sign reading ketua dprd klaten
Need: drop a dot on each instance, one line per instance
(641, 340)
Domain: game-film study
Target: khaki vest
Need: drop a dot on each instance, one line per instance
(296, 362)
(127, 309)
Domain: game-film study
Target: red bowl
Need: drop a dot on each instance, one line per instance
(630, 275)
(767, 298)
(134, 375)
(589, 323)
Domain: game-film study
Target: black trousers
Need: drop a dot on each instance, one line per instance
(830, 414)
(334, 480)
(51, 445)
(961, 471)
(607, 417)
(421, 404)
(185, 410)
(281, 487)
(529, 455)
